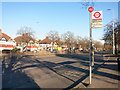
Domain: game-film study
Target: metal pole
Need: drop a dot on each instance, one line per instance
(90, 48)
(113, 34)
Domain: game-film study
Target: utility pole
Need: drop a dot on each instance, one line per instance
(113, 34)
(113, 31)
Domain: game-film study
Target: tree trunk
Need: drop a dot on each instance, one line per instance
(115, 44)
(52, 47)
(26, 47)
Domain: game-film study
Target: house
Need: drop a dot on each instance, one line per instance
(25, 40)
(6, 42)
(46, 44)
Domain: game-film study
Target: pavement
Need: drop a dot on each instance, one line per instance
(107, 76)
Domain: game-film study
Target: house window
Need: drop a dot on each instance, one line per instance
(31, 41)
(3, 39)
(11, 40)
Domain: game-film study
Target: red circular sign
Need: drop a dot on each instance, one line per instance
(90, 9)
(97, 14)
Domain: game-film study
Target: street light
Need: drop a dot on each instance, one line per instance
(113, 32)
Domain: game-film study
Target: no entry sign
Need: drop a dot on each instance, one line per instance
(97, 19)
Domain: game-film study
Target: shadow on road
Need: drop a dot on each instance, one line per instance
(15, 78)
(112, 66)
(81, 57)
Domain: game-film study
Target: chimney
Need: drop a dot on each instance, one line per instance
(47, 37)
(26, 34)
(0, 31)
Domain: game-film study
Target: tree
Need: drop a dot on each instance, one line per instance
(97, 44)
(118, 29)
(68, 39)
(108, 36)
(27, 35)
(77, 42)
(53, 36)
(39, 40)
(85, 43)
(59, 42)
(88, 3)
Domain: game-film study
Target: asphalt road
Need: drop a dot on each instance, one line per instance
(61, 71)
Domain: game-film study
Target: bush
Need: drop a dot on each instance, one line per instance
(15, 50)
(119, 51)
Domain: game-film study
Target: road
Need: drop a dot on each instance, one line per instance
(60, 71)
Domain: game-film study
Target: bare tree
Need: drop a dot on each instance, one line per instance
(108, 36)
(85, 43)
(53, 36)
(97, 44)
(77, 42)
(68, 39)
(27, 34)
(23, 30)
(88, 3)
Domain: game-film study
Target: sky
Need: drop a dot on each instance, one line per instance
(59, 16)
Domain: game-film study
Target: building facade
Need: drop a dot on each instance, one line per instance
(46, 44)
(6, 42)
(26, 43)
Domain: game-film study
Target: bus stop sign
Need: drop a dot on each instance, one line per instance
(90, 9)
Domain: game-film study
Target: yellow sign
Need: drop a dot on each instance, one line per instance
(59, 48)
(56, 47)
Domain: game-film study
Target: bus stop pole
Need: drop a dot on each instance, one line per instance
(90, 65)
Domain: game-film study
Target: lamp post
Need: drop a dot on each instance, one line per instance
(113, 32)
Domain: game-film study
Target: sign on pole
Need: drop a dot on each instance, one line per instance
(90, 9)
(97, 19)
(95, 22)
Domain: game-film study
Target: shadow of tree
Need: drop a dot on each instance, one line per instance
(15, 78)
(51, 66)
(57, 67)
(81, 57)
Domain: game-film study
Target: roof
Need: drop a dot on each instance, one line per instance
(59, 42)
(48, 41)
(20, 39)
(3, 35)
(45, 41)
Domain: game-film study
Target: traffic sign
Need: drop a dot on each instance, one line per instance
(90, 9)
(97, 15)
(97, 19)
